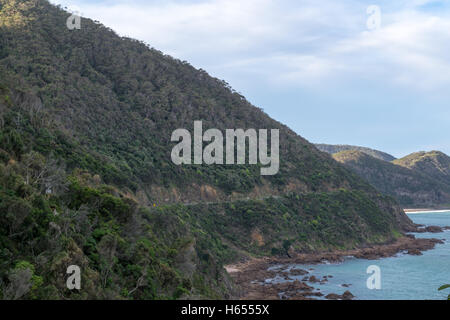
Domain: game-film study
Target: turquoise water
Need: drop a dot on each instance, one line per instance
(403, 277)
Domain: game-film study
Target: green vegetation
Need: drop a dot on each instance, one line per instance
(446, 286)
(128, 251)
(86, 178)
(109, 105)
(410, 187)
(434, 164)
(332, 149)
(125, 251)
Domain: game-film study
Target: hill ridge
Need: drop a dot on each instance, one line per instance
(332, 149)
(410, 186)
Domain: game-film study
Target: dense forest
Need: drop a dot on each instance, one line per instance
(86, 179)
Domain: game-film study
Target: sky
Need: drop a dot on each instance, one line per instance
(334, 71)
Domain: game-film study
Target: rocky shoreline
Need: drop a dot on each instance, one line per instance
(250, 276)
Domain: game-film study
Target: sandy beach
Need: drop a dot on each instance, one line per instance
(409, 211)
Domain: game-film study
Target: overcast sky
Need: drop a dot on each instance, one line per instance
(314, 65)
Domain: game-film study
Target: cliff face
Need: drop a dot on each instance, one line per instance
(86, 175)
(414, 186)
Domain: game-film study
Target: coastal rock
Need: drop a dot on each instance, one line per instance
(298, 272)
(430, 229)
(324, 280)
(414, 252)
(347, 295)
(333, 296)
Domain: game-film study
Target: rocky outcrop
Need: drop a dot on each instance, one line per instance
(431, 229)
(347, 295)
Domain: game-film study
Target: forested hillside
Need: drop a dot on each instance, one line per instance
(414, 186)
(332, 149)
(86, 177)
(434, 164)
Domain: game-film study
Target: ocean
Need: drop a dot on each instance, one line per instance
(403, 277)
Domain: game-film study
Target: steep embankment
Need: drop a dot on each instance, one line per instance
(86, 176)
(410, 186)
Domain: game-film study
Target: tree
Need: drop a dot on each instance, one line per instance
(107, 248)
(22, 281)
(446, 286)
(46, 174)
(286, 246)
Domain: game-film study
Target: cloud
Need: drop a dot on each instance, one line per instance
(411, 51)
(292, 43)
